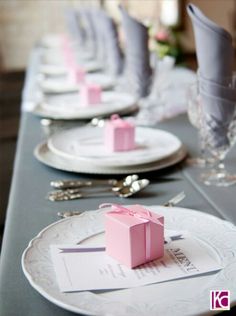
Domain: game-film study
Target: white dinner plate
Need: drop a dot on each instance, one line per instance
(58, 85)
(87, 144)
(58, 70)
(190, 296)
(49, 158)
(53, 70)
(68, 106)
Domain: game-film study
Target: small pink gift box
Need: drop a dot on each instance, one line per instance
(119, 134)
(133, 235)
(90, 94)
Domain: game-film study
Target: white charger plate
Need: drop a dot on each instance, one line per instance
(189, 296)
(59, 85)
(68, 106)
(87, 144)
(49, 158)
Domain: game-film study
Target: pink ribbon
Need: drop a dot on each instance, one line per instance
(115, 118)
(145, 216)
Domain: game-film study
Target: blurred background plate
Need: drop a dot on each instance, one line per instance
(67, 107)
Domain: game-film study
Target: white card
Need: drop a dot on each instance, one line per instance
(80, 268)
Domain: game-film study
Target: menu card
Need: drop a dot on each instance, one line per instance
(81, 268)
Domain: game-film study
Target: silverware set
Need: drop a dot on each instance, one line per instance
(77, 189)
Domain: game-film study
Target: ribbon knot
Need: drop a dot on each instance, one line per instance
(115, 118)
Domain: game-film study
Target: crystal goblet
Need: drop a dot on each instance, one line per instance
(195, 116)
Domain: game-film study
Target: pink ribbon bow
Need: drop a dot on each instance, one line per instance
(115, 118)
(145, 216)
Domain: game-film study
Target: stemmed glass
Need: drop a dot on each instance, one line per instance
(152, 107)
(194, 115)
(218, 175)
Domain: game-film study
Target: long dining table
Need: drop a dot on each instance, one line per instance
(29, 211)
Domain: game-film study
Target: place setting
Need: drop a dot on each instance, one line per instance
(79, 94)
(73, 64)
(71, 82)
(70, 74)
(87, 271)
(91, 101)
(119, 147)
(54, 62)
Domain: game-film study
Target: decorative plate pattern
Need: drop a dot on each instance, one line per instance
(183, 297)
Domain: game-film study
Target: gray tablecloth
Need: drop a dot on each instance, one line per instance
(29, 212)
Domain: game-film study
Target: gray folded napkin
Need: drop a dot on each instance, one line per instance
(215, 55)
(74, 25)
(95, 15)
(88, 25)
(113, 52)
(137, 61)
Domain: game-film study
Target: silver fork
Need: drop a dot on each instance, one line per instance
(171, 202)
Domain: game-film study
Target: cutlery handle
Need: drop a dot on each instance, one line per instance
(75, 193)
(64, 196)
(66, 184)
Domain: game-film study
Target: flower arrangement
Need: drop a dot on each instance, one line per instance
(166, 42)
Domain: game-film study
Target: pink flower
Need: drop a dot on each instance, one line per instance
(162, 36)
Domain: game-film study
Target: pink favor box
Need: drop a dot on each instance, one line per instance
(135, 236)
(119, 134)
(90, 94)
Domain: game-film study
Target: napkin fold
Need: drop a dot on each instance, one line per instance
(88, 25)
(215, 56)
(95, 15)
(114, 58)
(137, 60)
(74, 25)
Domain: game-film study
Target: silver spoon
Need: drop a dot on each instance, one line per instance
(117, 184)
(125, 191)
